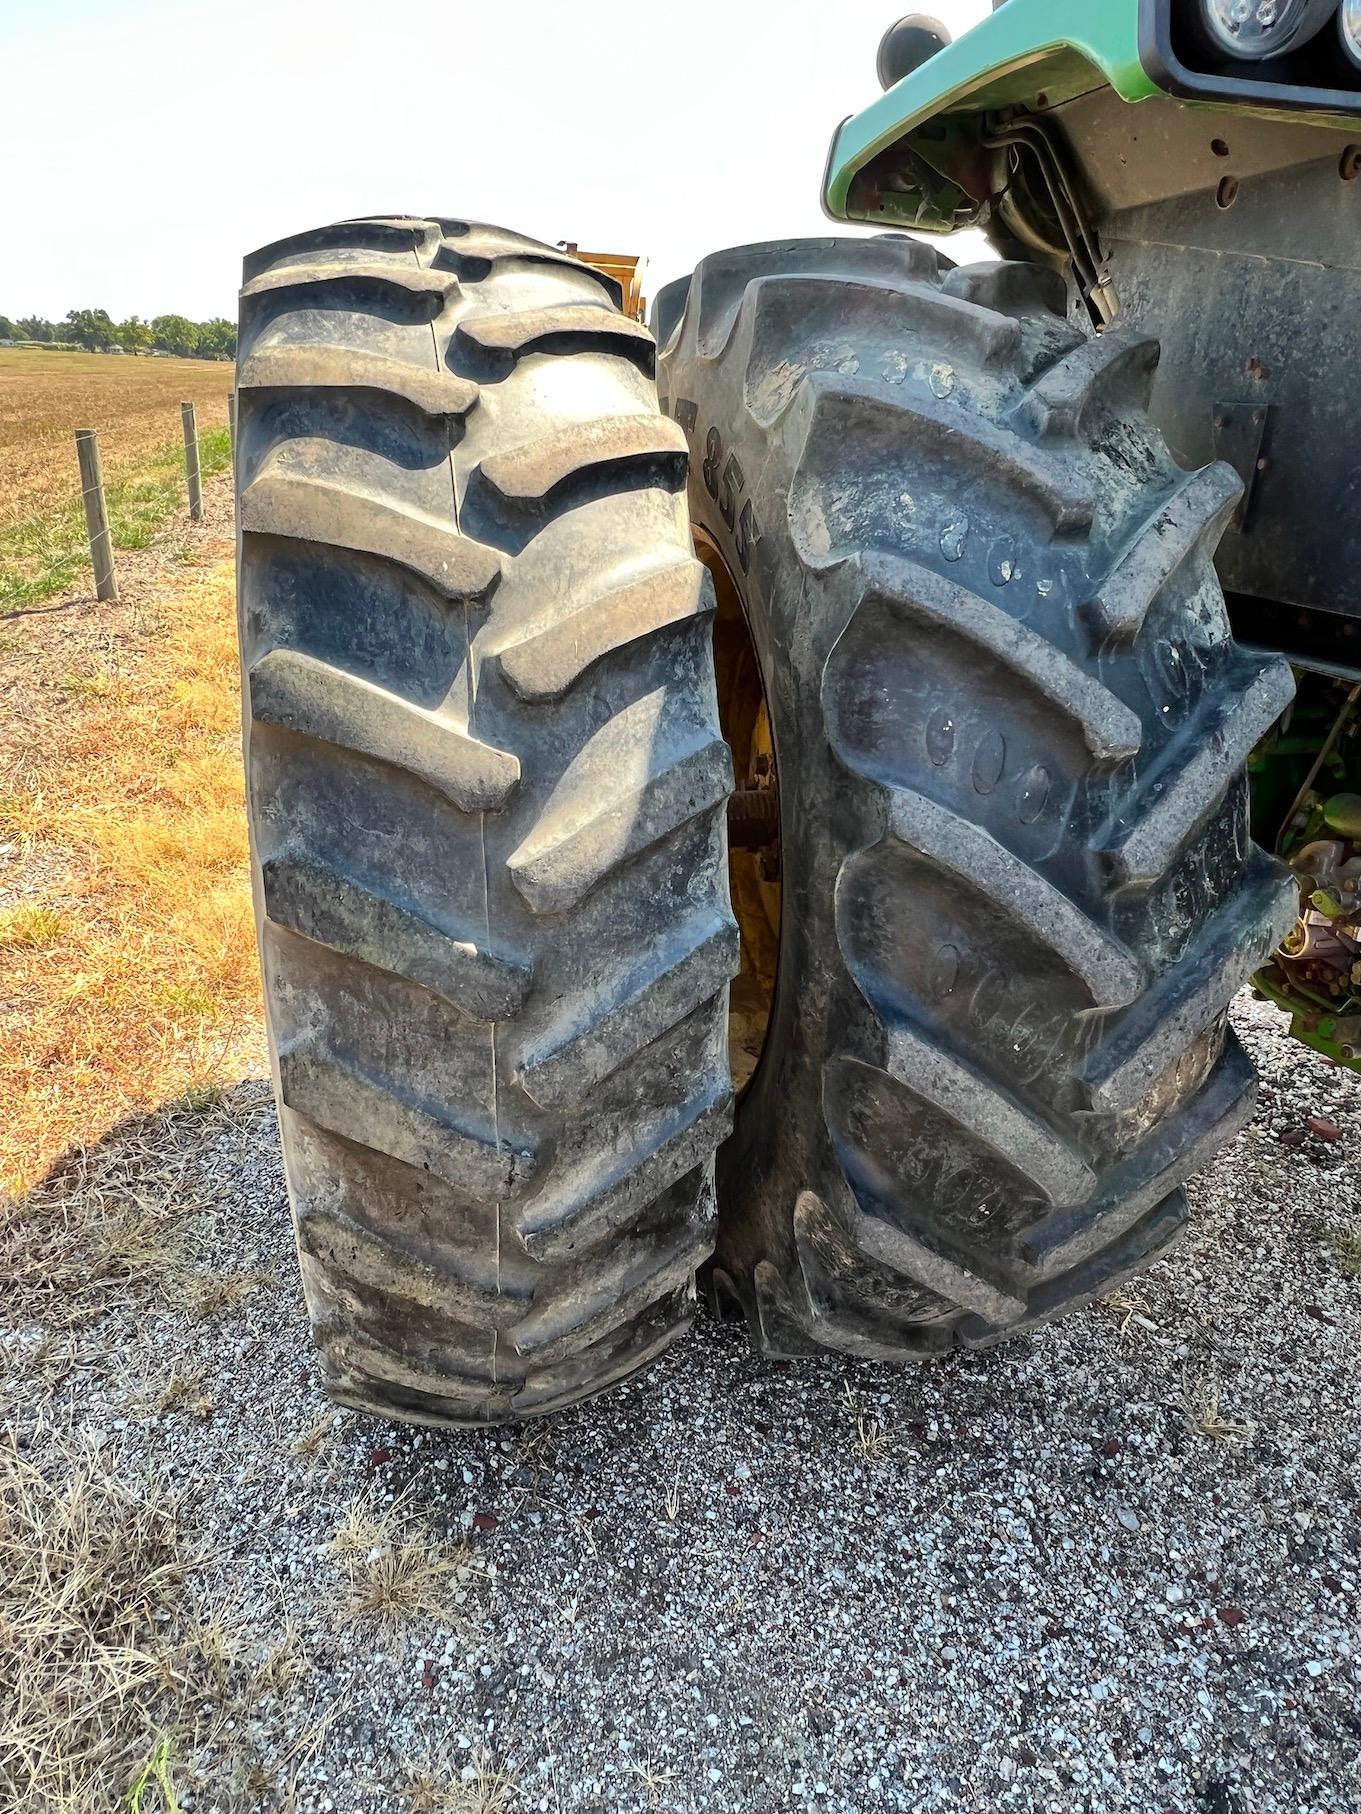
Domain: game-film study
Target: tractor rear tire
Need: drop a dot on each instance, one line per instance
(486, 791)
(1010, 730)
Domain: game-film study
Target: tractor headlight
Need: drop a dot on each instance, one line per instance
(1349, 24)
(1267, 28)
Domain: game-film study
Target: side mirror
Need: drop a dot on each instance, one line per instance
(907, 45)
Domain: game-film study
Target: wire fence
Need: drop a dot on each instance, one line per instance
(100, 540)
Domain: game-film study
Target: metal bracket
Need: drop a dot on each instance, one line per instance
(1091, 269)
(1238, 432)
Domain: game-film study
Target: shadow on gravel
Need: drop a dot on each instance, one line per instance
(117, 1215)
(1114, 1565)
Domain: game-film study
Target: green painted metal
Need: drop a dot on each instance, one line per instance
(1313, 1022)
(1030, 54)
(1060, 47)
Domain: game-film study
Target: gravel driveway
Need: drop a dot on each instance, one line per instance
(1112, 1566)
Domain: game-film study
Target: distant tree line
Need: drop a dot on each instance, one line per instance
(96, 330)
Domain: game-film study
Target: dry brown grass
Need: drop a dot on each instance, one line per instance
(121, 1686)
(1201, 1405)
(207, 1294)
(397, 1571)
(138, 1213)
(1128, 1305)
(129, 956)
(91, 1594)
(438, 1785)
(183, 1389)
(64, 1248)
(872, 1440)
(134, 403)
(653, 1780)
(309, 1446)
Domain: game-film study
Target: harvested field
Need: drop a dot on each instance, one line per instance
(134, 403)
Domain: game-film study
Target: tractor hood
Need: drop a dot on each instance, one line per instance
(916, 157)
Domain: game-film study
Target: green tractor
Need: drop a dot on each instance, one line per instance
(787, 799)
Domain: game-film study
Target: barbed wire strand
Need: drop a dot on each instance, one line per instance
(86, 557)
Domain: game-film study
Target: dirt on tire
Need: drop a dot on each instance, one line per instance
(1010, 730)
(487, 790)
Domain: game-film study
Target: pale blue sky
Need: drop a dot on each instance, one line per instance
(147, 144)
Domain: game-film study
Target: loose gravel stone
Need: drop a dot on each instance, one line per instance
(1111, 1566)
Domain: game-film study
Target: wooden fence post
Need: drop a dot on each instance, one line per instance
(96, 516)
(191, 462)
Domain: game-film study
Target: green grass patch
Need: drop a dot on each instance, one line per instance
(201, 1098)
(49, 555)
(29, 926)
(154, 1778)
(190, 999)
(1347, 1247)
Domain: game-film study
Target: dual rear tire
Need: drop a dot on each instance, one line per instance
(969, 634)
(1010, 730)
(486, 789)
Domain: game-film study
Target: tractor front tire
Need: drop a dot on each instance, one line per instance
(486, 791)
(1010, 729)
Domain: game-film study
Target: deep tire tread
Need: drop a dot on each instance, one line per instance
(1019, 852)
(498, 1123)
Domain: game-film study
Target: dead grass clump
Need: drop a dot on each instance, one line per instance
(63, 1251)
(206, 1294)
(137, 1211)
(34, 1363)
(443, 1785)
(122, 1684)
(131, 974)
(309, 1446)
(654, 1781)
(1201, 1404)
(1128, 1305)
(109, 1221)
(872, 1439)
(183, 1389)
(397, 1571)
(91, 1593)
(279, 1667)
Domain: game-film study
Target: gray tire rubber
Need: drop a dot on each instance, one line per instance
(1010, 733)
(486, 792)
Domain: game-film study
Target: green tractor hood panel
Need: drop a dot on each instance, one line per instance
(916, 157)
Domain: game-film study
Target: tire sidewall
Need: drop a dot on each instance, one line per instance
(742, 475)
